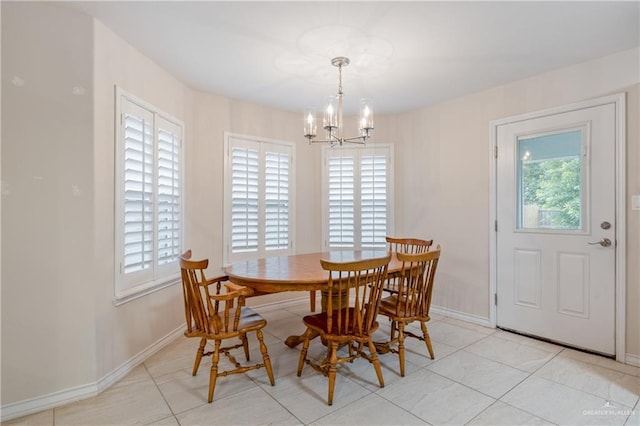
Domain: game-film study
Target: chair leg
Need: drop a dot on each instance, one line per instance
(305, 348)
(245, 345)
(427, 339)
(333, 361)
(265, 357)
(199, 353)
(376, 362)
(393, 329)
(214, 369)
(401, 347)
(351, 347)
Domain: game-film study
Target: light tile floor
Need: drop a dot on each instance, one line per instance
(481, 376)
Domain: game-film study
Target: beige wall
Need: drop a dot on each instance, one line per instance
(58, 191)
(48, 322)
(633, 222)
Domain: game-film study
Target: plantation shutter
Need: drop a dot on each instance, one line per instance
(356, 197)
(341, 194)
(244, 199)
(373, 199)
(138, 189)
(169, 196)
(258, 204)
(276, 201)
(148, 198)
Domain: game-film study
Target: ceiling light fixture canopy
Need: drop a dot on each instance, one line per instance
(332, 119)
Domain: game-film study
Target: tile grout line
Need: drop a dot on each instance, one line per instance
(161, 394)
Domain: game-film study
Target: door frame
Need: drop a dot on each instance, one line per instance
(619, 100)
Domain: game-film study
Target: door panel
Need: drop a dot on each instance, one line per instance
(573, 284)
(527, 278)
(555, 187)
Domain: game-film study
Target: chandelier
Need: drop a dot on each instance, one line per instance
(332, 118)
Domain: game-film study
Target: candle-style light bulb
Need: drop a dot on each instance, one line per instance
(366, 119)
(310, 126)
(330, 121)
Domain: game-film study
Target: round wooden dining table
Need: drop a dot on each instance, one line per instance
(298, 272)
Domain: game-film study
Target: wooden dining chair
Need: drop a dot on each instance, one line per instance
(217, 315)
(353, 295)
(404, 245)
(411, 302)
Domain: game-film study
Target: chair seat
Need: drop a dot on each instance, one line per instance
(318, 322)
(389, 307)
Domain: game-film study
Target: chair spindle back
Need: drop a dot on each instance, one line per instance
(408, 245)
(206, 313)
(416, 283)
(357, 286)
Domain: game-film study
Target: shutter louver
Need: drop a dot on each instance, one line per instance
(138, 194)
(244, 199)
(373, 198)
(169, 197)
(341, 201)
(276, 201)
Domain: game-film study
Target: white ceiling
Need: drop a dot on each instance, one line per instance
(404, 55)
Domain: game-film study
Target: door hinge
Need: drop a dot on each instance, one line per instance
(495, 152)
(495, 225)
(495, 299)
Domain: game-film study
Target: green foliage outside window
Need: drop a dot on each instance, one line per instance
(554, 187)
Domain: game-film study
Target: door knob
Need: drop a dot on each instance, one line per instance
(605, 242)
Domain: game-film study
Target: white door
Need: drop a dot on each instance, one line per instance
(556, 227)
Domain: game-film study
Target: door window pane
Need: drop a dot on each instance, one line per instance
(551, 184)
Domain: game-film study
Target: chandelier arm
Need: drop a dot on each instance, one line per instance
(322, 141)
(361, 140)
(356, 140)
(332, 139)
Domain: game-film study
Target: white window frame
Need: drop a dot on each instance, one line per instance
(132, 285)
(262, 144)
(357, 152)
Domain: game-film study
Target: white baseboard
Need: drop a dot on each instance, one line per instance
(126, 368)
(475, 319)
(59, 398)
(40, 403)
(632, 359)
